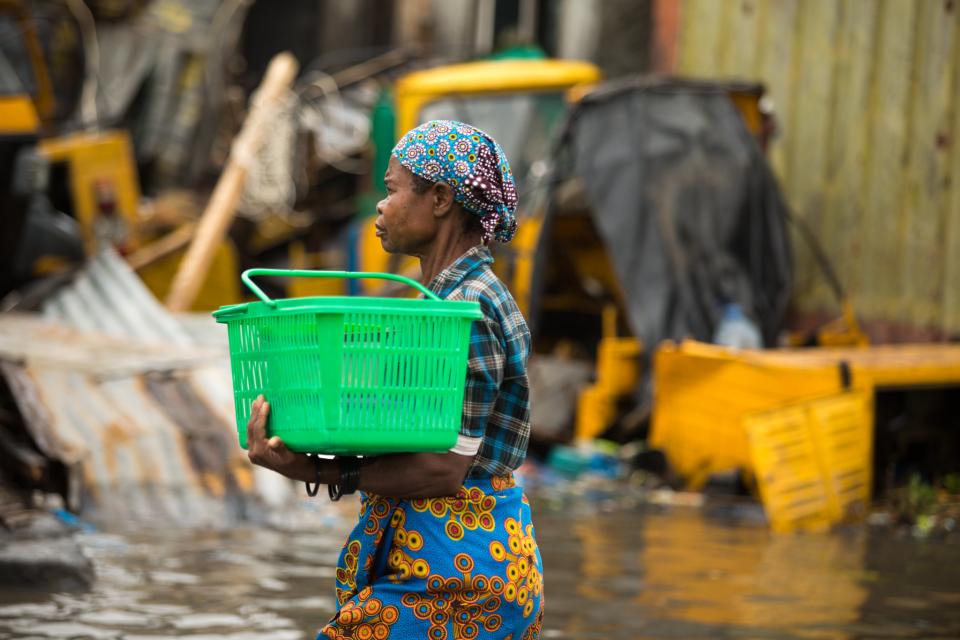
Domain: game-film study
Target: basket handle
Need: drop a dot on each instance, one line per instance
(301, 273)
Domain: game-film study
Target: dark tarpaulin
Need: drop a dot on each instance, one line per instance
(686, 204)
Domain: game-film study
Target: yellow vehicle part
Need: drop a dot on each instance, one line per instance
(100, 165)
(747, 102)
(708, 400)
(420, 88)
(579, 256)
(220, 287)
(310, 287)
(575, 237)
(574, 257)
(889, 366)
(50, 264)
(273, 230)
(845, 331)
(617, 357)
(42, 102)
(514, 262)
(702, 394)
(18, 117)
(618, 372)
(596, 410)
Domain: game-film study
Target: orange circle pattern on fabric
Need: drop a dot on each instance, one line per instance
(468, 567)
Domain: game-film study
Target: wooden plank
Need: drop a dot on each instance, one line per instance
(950, 320)
(888, 119)
(812, 116)
(844, 195)
(216, 219)
(700, 37)
(724, 36)
(778, 65)
(923, 221)
(739, 39)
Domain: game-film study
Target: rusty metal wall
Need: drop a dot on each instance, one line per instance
(867, 95)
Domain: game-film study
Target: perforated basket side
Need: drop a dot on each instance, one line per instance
(294, 360)
(403, 378)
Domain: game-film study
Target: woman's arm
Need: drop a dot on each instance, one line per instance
(400, 475)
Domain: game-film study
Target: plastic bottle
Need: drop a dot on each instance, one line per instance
(736, 330)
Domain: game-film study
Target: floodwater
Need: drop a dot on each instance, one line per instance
(623, 572)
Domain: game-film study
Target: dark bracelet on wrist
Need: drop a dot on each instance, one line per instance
(348, 480)
(313, 490)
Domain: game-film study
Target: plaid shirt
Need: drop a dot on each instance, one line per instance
(496, 408)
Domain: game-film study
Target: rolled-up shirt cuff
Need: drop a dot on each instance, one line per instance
(466, 446)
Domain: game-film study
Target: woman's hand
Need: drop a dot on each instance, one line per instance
(272, 453)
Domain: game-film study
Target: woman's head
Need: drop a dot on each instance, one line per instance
(415, 210)
(470, 164)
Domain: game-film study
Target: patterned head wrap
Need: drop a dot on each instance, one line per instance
(472, 164)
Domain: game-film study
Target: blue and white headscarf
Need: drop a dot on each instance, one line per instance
(472, 164)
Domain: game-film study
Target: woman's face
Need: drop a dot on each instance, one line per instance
(405, 221)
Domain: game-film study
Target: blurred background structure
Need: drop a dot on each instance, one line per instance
(866, 97)
(739, 249)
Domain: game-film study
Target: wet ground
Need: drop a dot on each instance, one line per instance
(626, 572)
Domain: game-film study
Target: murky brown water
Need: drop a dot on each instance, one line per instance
(632, 572)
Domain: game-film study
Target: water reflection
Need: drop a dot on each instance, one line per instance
(677, 574)
(249, 582)
(632, 573)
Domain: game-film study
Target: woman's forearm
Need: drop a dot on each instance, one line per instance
(414, 475)
(398, 475)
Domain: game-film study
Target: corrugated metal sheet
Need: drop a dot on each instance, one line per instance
(51, 343)
(108, 297)
(867, 94)
(112, 385)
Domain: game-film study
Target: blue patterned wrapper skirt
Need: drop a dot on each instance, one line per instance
(464, 566)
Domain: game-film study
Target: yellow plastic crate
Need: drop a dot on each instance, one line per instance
(842, 427)
(813, 459)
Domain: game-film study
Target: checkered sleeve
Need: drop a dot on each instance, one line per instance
(485, 367)
(495, 427)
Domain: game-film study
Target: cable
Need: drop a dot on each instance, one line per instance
(219, 35)
(819, 254)
(89, 110)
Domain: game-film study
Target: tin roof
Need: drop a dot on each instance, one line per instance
(109, 297)
(114, 387)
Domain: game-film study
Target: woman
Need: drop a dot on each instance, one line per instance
(444, 547)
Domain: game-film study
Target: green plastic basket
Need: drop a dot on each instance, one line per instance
(348, 375)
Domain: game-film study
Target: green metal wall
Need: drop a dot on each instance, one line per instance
(867, 94)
